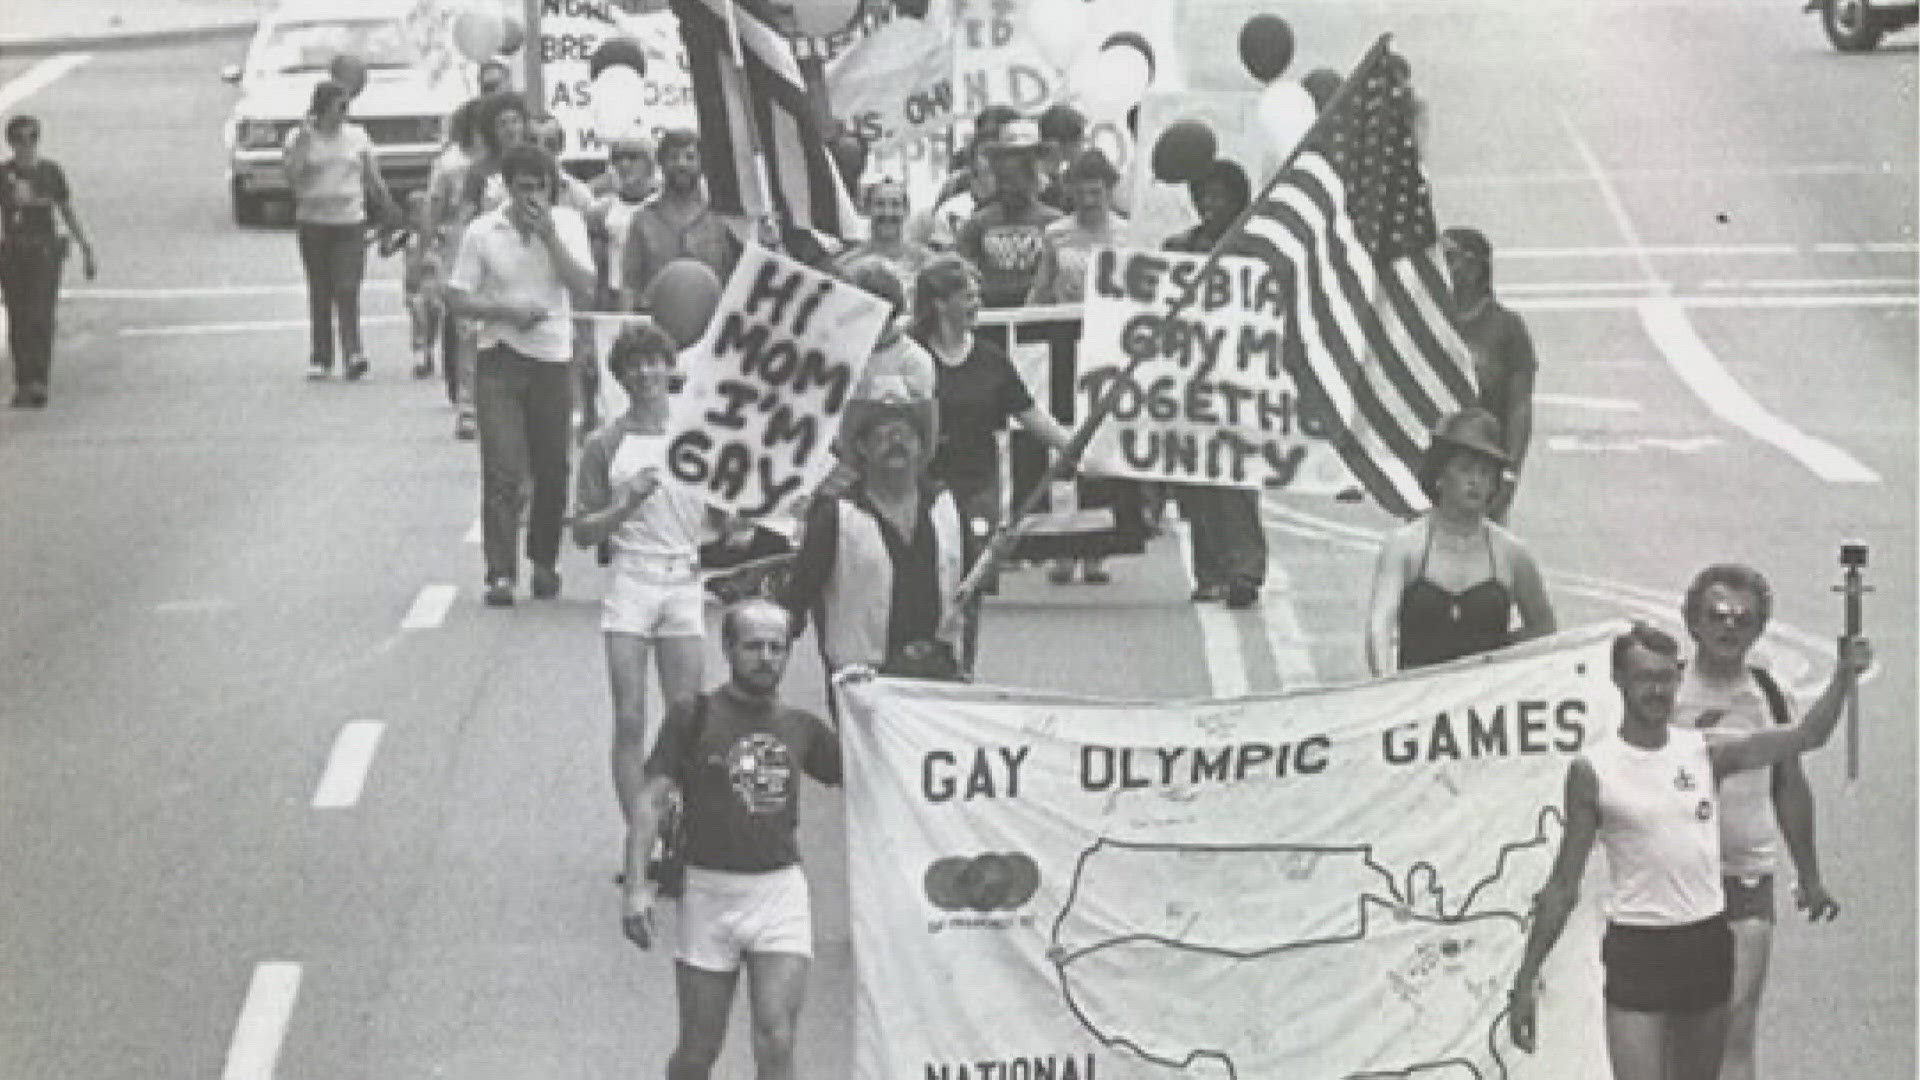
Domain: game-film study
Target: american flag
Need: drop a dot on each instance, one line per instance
(767, 95)
(1351, 222)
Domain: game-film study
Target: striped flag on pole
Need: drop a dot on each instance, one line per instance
(1353, 221)
(763, 100)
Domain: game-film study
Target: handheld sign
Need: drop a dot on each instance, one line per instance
(768, 383)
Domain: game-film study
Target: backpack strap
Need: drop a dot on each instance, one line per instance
(1776, 700)
(689, 754)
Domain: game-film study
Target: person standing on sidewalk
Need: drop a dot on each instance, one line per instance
(32, 253)
(331, 170)
(517, 270)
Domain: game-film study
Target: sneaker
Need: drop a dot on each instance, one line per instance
(546, 583)
(356, 368)
(423, 366)
(500, 592)
(1095, 575)
(463, 427)
(1061, 573)
(1207, 594)
(318, 370)
(1242, 595)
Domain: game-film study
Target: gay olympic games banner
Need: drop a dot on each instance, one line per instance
(1212, 401)
(767, 384)
(1328, 884)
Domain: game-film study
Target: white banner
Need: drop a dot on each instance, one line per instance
(1322, 885)
(768, 382)
(1212, 401)
(570, 30)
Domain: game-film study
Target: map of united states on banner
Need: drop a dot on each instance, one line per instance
(1332, 884)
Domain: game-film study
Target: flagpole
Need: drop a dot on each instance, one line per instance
(1067, 460)
(737, 54)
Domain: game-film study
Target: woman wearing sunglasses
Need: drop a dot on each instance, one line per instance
(32, 252)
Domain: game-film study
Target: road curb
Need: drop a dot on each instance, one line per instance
(131, 40)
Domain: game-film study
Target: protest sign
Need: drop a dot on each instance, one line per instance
(570, 30)
(1334, 883)
(767, 384)
(1213, 400)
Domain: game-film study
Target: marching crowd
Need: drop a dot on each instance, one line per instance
(504, 251)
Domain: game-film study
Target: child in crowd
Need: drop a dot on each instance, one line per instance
(420, 279)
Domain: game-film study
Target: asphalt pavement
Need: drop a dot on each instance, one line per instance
(223, 582)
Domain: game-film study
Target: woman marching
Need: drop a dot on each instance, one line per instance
(1447, 583)
(32, 253)
(331, 170)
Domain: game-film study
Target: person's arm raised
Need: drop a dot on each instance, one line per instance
(1763, 748)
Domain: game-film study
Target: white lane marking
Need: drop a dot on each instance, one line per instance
(202, 606)
(1667, 324)
(1219, 636)
(1906, 284)
(254, 326)
(262, 1027)
(1870, 247)
(1553, 177)
(1632, 444)
(347, 765)
(1700, 303)
(1616, 207)
(1528, 288)
(1748, 250)
(1286, 638)
(1596, 404)
(190, 292)
(39, 77)
(430, 607)
(474, 534)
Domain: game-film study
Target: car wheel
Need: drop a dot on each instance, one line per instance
(246, 208)
(1850, 25)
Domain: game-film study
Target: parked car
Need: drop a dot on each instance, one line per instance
(1858, 25)
(403, 108)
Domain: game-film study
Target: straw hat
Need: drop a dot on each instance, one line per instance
(863, 416)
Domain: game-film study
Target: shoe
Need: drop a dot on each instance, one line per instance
(356, 368)
(546, 583)
(1207, 594)
(22, 401)
(318, 370)
(1061, 573)
(500, 592)
(1242, 595)
(1096, 575)
(423, 368)
(463, 427)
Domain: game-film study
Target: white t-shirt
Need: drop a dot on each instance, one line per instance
(497, 266)
(1749, 832)
(1659, 825)
(669, 522)
(331, 188)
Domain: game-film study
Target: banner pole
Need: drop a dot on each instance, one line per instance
(530, 51)
(1064, 463)
(737, 55)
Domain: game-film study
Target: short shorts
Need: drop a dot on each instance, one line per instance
(654, 598)
(726, 915)
(1749, 897)
(1669, 969)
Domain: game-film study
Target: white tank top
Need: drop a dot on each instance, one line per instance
(1659, 823)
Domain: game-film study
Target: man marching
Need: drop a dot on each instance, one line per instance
(1651, 798)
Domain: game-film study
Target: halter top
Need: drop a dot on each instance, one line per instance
(1437, 625)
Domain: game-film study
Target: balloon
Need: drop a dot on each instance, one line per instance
(1322, 83)
(1266, 46)
(1183, 151)
(1127, 39)
(512, 36)
(349, 71)
(619, 94)
(683, 296)
(614, 52)
(1286, 112)
(818, 18)
(1056, 28)
(478, 34)
(1115, 81)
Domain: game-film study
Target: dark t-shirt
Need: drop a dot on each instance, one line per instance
(741, 784)
(1502, 349)
(28, 197)
(976, 397)
(1005, 247)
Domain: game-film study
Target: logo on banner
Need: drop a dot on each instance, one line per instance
(760, 769)
(989, 882)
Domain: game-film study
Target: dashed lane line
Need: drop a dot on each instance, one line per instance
(1219, 635)
(264, 1016)
(1595, 404)
(39, 77)
(347, 765)
(245, 327)
(430, 607)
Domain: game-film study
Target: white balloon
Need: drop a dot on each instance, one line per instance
(818, 18)
(1286, 112)
(618, 96)
(1057, 29)
(1115, 81)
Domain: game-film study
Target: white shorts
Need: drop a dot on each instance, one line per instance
(654, 599)
(726, 915)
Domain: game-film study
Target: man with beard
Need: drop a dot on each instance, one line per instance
(1005, 238)
(675, 224)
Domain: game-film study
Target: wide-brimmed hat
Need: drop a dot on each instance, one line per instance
(863, 416)
(1018, 136)
(1473, 429)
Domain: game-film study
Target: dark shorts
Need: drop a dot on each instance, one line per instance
(1749, 897)
(1669, 969)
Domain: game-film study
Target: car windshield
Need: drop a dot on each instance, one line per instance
(311, 46)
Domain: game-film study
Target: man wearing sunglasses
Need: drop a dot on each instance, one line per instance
(1726, 610)
(32, 252)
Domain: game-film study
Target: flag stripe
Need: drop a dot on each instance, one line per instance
(1428, 286)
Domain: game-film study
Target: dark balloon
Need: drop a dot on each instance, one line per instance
(1322, 83)
(1130, 40)
(614, 52)
(1183, 152)
(1266, 47)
